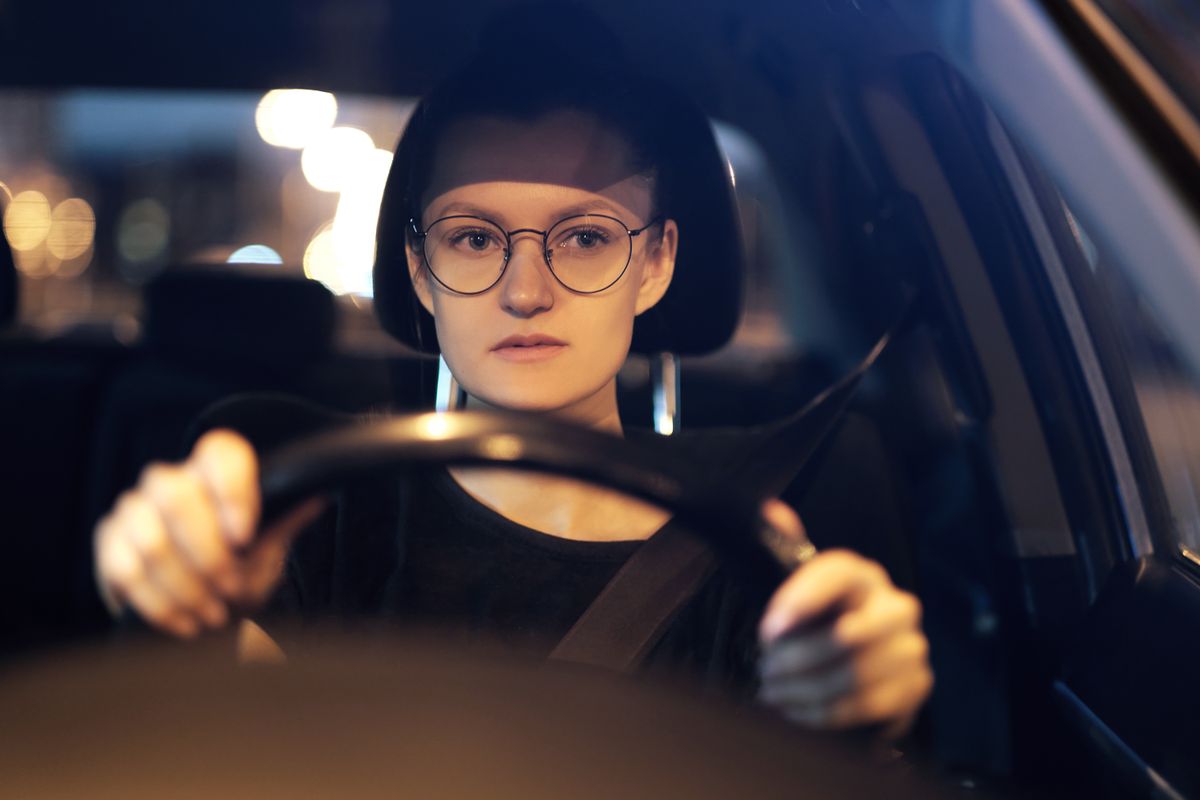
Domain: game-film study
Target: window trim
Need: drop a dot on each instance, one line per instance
(1148, 104)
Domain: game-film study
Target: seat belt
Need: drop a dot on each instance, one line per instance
(635, 608)
(633, 611)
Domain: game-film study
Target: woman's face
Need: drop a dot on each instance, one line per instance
(531, 174)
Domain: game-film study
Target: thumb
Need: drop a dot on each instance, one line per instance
(263, 560)
(277, 537)
(785, 535)
(785, 519)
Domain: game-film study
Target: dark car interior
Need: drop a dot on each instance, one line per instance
(881, 194)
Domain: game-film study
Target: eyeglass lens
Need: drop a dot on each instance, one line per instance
(586, 253)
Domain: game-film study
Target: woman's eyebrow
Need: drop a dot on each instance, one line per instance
(464, 208)
(588, 207)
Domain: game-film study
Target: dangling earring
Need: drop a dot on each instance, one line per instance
(450, 395)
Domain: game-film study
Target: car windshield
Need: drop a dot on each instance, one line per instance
(1163, 377)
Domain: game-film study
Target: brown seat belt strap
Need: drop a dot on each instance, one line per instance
(632, 612)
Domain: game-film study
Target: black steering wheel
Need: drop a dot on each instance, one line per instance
(725, 513)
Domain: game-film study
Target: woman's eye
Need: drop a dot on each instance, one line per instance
(587, 239)
(473, 240)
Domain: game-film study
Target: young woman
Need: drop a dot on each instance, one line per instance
(540, 222)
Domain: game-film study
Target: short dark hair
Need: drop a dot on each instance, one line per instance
(525, 89)
(556, 56)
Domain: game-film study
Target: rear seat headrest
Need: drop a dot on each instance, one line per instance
(239, 314)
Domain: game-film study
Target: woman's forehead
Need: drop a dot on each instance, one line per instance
(567, 151)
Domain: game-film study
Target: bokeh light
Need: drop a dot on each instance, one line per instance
(143, 230)
(294, 117)
(342, 254)
(254, 254)
(434, 426)
(27, 220)
(33, 263)
(356, 219)
(320, 260)
(336, 158)
(72, 229)
(76, 266)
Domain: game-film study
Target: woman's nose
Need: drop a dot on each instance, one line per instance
(527, 287)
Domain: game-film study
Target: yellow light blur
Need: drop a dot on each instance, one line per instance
(27, 220)
(51, 264)
(72, 229)
(76, 266)
(320, 260)
(32, 263)
(356, 219)
(502, 447)
(294, 117)
(435, 426)
(335, 157)
(342, 254)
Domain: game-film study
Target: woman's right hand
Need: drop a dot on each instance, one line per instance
(183, 549)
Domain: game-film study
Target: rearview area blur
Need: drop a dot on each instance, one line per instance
(109, 188)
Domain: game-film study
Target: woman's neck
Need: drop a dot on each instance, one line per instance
(597, 411)
(561, 506)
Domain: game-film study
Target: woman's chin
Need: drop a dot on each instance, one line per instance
(525, 401)
(538, 400)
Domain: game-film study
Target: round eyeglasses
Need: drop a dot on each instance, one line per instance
(586, 253)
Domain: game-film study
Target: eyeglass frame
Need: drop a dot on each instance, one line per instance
(421, 235)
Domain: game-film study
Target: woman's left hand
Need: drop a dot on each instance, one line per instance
(842, 646)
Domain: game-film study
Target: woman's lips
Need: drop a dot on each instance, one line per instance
(533, 347)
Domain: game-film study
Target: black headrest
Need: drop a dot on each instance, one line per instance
(236, 313)
(702, 306)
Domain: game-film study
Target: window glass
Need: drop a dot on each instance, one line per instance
(105, 189)
(1166, 387)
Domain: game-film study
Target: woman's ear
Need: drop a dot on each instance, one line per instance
(659, 269)
(417, 275)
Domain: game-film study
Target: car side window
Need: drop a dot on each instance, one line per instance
(1165, 382)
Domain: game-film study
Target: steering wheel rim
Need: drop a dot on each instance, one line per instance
(727, 516)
